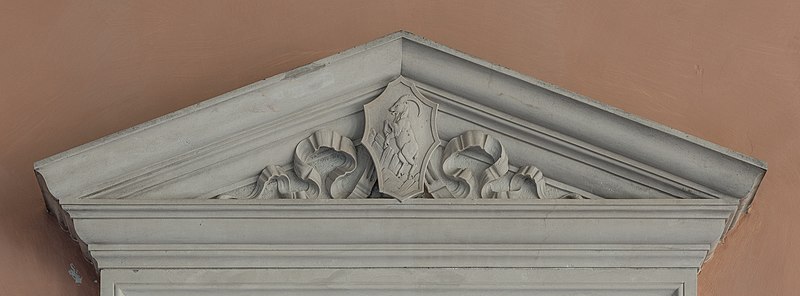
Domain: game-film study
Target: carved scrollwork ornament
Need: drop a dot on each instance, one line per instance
(312, 146)
(470, 185)
(348, 178)
(400, 150)
(475, 165)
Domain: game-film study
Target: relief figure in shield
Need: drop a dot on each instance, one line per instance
(400, 136)
(398, 142)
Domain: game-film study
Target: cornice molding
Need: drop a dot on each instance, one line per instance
(448, 282)
(401, 153)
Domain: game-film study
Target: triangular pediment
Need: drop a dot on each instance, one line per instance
(577, 145)
(405, 153)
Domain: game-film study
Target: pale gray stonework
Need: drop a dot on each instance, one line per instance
(400, 167)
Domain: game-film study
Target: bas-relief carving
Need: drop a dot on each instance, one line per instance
(402, 153)
(254, 246)
(400, 135)
(326, 165)
(475, 165)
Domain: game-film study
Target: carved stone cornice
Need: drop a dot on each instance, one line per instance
(398, 158)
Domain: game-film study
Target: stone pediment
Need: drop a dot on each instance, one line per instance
(399, 129)
(225, 142)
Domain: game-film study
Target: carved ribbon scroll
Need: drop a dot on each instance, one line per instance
(311, 146)
(352, 176)
(446, 177)
(402, 152)
(468, 184)
(471, 165)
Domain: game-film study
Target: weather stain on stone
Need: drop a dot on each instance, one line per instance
(302, 71)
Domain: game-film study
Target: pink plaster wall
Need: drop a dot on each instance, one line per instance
(726, 71)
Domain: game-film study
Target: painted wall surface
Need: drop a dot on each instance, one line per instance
(726, 71)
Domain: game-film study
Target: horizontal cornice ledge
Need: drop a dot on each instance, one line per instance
(396, 281)
(342, 233)
(412, 208)
(407, 256)
(388, 233)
